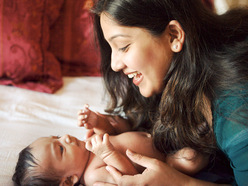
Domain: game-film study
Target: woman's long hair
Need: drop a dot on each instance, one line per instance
(214, 57)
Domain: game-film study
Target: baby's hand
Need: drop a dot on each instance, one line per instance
(87, 118)
(100, 146)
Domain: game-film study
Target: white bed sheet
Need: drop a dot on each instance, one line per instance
(27, 115)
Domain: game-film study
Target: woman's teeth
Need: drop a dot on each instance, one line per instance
(133, 74)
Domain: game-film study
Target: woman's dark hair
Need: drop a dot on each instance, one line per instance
(27, 172)
(214, 58)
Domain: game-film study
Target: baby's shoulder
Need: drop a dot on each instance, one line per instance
(132, 137)
(136, 134)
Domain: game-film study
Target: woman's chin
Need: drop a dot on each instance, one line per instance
(149, 92)
(146, 94)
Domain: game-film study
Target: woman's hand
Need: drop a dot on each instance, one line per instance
(156, 173)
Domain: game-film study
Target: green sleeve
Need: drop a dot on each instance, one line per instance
(231, 130)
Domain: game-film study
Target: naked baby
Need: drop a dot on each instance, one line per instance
(68, 161)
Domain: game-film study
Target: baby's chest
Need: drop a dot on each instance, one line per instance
(95, 171)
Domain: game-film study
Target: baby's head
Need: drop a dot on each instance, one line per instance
(51, 161)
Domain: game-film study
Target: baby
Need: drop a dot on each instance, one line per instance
(68, 161)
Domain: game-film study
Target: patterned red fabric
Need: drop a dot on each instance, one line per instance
(24, 38)
(72, 40)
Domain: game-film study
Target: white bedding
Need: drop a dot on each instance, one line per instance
(26, 115)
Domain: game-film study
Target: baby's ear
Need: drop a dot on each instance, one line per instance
(69, 181)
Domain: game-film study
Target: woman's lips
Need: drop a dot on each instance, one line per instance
(137, 79)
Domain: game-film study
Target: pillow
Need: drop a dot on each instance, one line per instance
(72, 40)
(24, 38)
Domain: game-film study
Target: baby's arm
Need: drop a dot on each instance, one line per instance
(102, 123)
(102, 147)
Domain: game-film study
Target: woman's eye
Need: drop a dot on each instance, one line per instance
(58, 137)
(124, 48)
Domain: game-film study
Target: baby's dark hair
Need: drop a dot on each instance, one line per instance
(27, 172)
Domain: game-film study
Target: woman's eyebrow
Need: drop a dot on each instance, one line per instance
(118, 35)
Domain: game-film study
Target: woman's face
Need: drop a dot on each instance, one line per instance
(138, 54)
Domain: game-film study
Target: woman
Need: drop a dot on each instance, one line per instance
(178, 69)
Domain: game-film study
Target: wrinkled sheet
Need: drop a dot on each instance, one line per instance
(27, 115)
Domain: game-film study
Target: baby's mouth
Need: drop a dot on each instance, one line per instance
(81, 143)
(77, 142)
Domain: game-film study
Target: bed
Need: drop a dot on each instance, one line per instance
(26, 115)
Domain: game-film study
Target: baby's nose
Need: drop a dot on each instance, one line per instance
(67, 138)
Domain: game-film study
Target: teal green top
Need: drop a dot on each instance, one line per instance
(230, 120)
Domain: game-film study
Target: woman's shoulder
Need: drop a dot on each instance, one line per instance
(230, 111)
(228, 101)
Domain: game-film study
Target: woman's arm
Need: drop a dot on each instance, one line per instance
(101, 123)
(102, 147)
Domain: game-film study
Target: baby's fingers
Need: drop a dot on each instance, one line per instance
(82, 121)
(80, 118)
(83, 117)
(88, 145)
(105, 138)
(97, 139)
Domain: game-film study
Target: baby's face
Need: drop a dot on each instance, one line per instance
(65, 154)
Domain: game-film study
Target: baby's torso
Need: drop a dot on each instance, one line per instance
(139, 142)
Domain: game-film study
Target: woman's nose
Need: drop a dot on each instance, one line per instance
(66, 138)
(116, 62)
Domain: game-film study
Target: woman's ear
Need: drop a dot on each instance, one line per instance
(69, 181)
(177, 35)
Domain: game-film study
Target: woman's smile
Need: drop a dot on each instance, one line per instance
(137, 77)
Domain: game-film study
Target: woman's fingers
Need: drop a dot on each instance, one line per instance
(141, 160)
(114, 172)
(117, 176)
(156, 173)
(123, 180)
(103, 184)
